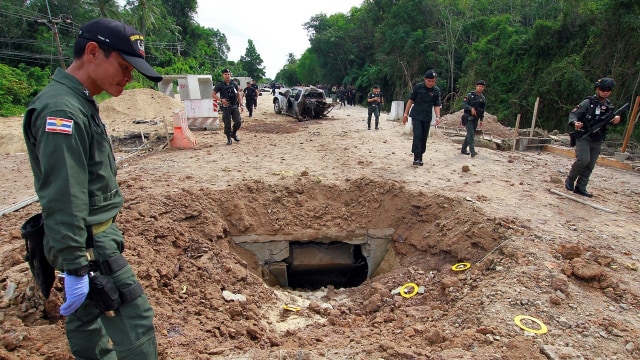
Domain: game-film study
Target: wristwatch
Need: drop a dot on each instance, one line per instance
(79, 271)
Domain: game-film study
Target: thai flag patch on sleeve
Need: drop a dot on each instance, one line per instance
(59, 125)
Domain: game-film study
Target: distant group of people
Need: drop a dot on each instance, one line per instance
(589, 120)
(425, 100)
(345, 95)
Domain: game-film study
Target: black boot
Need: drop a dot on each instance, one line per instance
(229, 142)
(582, 191)
(235, 137)
(416, 161)
(420, 163)
(569, 185)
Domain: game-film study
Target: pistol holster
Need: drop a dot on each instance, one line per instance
(33, 234)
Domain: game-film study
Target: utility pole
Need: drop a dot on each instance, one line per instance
(52, 23)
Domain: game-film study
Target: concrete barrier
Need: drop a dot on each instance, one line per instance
(397, 110)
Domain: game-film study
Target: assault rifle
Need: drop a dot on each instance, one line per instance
(605, 120)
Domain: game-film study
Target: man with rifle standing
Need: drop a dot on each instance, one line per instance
(590, 119)
(473, 105)
(227, 94)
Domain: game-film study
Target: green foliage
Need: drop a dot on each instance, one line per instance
(251, 62)
(182, 11)
(15, 90)
(551, 50)
(288, 75)
(36, 78)
(306, 69)
(107, 8)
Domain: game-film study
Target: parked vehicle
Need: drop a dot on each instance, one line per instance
(301, 102)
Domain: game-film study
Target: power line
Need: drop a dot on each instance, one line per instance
(64, 22)
(18, 41)
(53, 24)
(26, 57)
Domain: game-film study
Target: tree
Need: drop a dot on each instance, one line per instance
(407, 50)
(142, 14)
(18, 86)
(452, 20)
(251, 62)
(182, 11)
(306, 69)
(332, 40)
(107, 8)
(288, 75)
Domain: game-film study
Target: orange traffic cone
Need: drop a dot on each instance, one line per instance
(182, 137)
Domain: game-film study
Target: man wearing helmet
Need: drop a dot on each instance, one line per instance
(583, 117)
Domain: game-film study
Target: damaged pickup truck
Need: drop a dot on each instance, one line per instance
(302, 102)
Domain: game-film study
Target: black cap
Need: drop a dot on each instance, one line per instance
(431, 74)
(225, 70)
(481, 82)
(124, 39)
(605, 84)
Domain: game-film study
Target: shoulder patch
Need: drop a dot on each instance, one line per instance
(59, 125)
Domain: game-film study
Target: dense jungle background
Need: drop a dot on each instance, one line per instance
(553, 50)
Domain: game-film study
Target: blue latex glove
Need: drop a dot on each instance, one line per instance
(76, 289)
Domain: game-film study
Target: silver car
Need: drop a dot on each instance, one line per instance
(301, 102)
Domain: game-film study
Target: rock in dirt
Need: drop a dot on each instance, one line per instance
(570, 251)
(586, 270)
(561, 353)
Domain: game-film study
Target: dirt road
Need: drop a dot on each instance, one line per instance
(568, 265)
